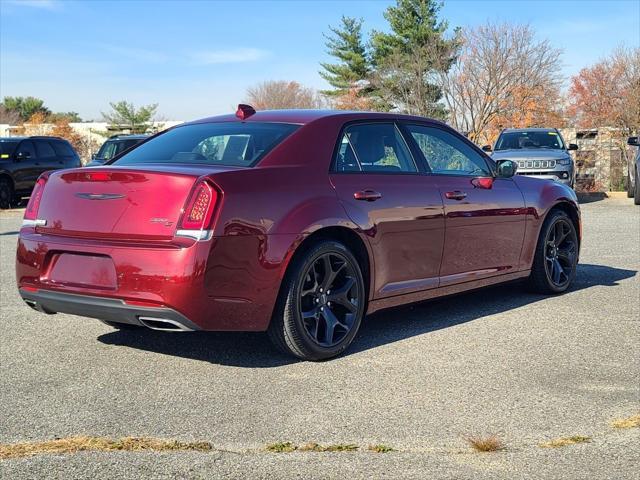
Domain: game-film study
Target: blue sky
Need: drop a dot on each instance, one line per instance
(196, 58)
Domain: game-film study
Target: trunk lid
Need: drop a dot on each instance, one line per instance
(116, 203)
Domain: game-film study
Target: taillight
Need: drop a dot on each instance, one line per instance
(31, 213)
(198, 213)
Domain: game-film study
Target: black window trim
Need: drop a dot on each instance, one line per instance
(333, 167)
(489, 163)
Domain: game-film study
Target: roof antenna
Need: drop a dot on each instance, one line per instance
(244, 111)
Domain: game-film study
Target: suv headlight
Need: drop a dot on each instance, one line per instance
(564, 161)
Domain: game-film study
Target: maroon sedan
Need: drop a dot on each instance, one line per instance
(293, 222)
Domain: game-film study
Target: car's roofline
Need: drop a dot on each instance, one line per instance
(531, 129)
(125, 136)
(303, 117)
(32, 137)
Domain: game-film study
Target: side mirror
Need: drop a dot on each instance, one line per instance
(506, 168)
(572, 146)
(486, 148)
(633, 141)
(93, 156)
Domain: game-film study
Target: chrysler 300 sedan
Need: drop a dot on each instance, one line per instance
(293, 222)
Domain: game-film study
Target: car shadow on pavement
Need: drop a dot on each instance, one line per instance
(253, 350)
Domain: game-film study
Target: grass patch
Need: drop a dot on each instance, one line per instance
(486, 444)
(81, 444)
(380, 448)
(341, 447)
(565, 441)
(281, 447)
(629, 422)
(288, 447)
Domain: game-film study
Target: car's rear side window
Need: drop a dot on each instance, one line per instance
(44, 149)
(62, 148)
(230, 144)
(373, 148)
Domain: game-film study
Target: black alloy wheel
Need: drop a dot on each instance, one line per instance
(560, 253)
(321, 304)
(329, 299)
(556, 256)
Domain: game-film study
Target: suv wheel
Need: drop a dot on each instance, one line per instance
(321, 303)
(6, 193)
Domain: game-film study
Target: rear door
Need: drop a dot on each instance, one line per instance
(65, 153)
(399, 209)
(484, 221)
(47, 157)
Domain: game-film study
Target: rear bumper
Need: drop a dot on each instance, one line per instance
(107, 309)
(223, 284)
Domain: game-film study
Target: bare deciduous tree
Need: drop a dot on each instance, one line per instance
(503, 77)
(10, 117)
(281, 94)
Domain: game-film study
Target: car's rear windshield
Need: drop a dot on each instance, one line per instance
(229, 144)
(529, 139)
(7, 147)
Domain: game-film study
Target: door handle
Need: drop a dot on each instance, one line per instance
(455, 195)
(367, 195)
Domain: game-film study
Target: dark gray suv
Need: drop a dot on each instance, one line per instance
(23, 159)
(539, 152)
(114, 146)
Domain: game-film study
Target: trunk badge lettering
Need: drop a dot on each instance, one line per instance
(164, 221)
(100, 196)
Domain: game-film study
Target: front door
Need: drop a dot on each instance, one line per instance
(27, 168)
(395, 205)
(484, 216)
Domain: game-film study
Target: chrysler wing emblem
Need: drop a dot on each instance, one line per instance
(100, 196)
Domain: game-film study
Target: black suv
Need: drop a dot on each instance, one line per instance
(23, 159)
(115, 146)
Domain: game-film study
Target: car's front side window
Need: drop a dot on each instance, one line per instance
(107, 150)
(446, 154)
(373, 148)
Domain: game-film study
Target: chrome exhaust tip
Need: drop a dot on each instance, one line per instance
(163, 324)
(31, 303)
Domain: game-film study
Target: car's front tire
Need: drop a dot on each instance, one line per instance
(556, 257)
(321, 303)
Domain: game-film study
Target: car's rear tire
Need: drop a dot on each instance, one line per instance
(556, 256)
(321, 303)
(630, 192)
(636, 196)
(6, 193)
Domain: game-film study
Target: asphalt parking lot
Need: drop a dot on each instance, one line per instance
(421, 380)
